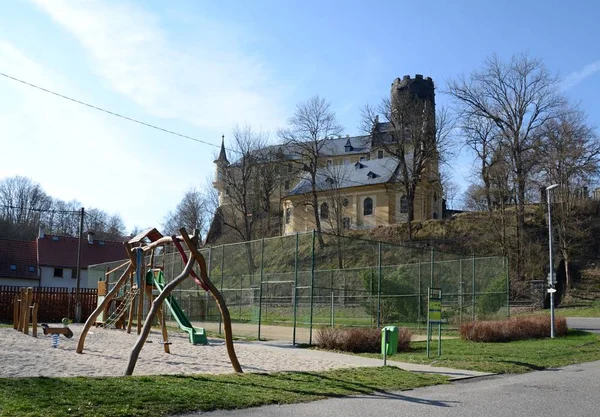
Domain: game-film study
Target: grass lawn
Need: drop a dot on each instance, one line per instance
(592, 310)
(513, 357)
(164, 395)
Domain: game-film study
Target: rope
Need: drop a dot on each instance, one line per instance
(116, 315)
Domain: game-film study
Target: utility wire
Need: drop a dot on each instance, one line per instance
(6, 206)
(108, 111)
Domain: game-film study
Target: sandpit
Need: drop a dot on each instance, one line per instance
(106, 353)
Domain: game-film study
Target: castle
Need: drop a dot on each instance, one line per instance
(359, 181)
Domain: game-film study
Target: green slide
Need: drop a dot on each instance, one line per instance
(197, 334)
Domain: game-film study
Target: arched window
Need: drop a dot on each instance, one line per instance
(324, 211)
(403, 204)
(368, 206)
(288, 215)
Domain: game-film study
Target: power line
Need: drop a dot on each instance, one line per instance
(108, 111)
(6, 206)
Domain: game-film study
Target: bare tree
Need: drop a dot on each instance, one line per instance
(22, 205)
(519, 97)
(271, 176)
(411, 136)
(191, 213)
(63, 219)
(241, 179)
(312, 124)
(570, 153)
(332, 210)
(450, 189)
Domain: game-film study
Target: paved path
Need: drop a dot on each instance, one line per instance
(589, 324)
(454, 374)
(569, 391)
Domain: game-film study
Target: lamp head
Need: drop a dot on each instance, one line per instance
(552, 187)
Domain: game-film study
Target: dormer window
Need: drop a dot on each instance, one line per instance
(348, 146)
(380, 154)
(371, 175)
(358, 165)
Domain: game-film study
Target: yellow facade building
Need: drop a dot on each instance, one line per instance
(358, 182)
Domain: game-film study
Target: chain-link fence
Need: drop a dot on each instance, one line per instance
(285, 287)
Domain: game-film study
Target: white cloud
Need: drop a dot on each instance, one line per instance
(72, 151)
(208, 80)
(578, 76)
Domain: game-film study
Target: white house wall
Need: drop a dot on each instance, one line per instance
(68, 280)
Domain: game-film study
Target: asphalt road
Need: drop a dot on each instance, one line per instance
(584, 323)
(569, 391)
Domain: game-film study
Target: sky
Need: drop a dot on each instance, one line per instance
(200, 67)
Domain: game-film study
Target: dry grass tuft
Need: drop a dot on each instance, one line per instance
(358, 340)
(518, 328)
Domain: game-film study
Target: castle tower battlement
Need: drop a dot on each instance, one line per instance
(419, 86)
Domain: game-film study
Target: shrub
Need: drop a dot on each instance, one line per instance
(358, 340)
(399, 294)
(518, 328)
(494, 298)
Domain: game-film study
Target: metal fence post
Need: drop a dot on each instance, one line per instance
(210, 251)
(420, 307)
(262, 253)
(505, 264)
(473, 293)
(379, 285)
(432, 271)
(312, 287)
(295, 291)
(332, 300)
(222, 268)
(460, 291)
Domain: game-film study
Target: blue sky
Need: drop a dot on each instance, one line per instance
(200, 67)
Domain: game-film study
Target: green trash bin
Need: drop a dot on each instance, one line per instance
(392, 340)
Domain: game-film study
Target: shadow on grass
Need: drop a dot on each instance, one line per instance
(352, 388)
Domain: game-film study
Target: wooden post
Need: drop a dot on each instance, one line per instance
(34, 319)
(111, 294)
(131, 306)
(16, 309)
(161, 319)
(218, 299)
(137, 348)
(163, 327)
(27, 311)
(142, 290)
(22, 309)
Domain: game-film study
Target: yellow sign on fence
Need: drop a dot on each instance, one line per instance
(435, 311)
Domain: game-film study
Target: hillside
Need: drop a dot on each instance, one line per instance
(482, 234)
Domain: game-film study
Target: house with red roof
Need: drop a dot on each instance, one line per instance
(18, 263)
(51, 261)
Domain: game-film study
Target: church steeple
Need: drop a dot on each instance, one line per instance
(222, 154)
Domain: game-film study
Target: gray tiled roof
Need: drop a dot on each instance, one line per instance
(375, 171)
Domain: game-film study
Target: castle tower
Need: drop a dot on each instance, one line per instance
(412, 93)
(221, 163)
(413, 103)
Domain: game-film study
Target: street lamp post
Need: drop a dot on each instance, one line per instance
(551, 280)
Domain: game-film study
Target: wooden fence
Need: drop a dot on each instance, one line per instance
(54, 303)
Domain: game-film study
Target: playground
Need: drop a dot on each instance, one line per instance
(107, 354)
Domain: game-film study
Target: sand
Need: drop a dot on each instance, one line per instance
(107, 352)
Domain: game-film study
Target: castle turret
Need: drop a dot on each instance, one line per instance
(221, 163)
